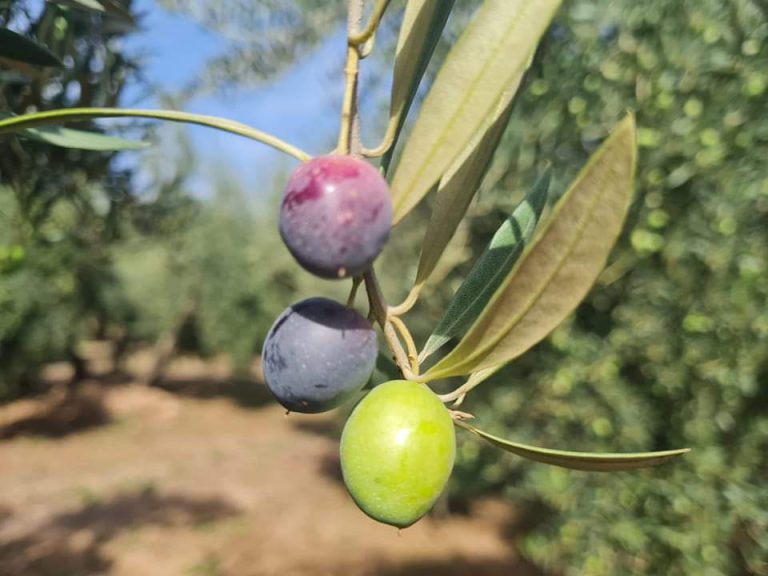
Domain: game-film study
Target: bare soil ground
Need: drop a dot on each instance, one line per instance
(205, 477)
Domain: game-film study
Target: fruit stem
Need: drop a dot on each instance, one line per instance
(356, 281)
(358, 38)
(459, 393)
(410, 345)
(379, 313)
(386, 142)
(406, 305)
(401, 358)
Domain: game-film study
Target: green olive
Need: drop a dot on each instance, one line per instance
(397, 452)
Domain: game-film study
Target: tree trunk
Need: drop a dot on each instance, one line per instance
(166, 346)
(80, 371)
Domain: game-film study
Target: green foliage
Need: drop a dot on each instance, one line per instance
(491, 268)
(20, 48)
(670, 349)
(61, 209)
(420, 32)
(559, 267)
(51, 285)
(489, 59)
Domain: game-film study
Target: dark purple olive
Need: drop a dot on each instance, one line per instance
(318, 354)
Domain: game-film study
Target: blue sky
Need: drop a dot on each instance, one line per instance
(300, 107)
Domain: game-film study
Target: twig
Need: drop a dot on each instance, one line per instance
(357, 38)
(410, 345)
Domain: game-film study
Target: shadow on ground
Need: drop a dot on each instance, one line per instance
(460, 567)
(247, 393)
(72, 543)
(325, 427)
(60, 416)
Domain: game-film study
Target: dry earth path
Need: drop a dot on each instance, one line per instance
(207, 478)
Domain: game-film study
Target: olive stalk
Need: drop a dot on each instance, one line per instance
(65, 115)
(356, 39)
(349, 143)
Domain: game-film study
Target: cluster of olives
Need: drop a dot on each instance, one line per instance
(398, 446)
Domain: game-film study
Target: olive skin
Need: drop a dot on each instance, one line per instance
(397, 452)
(335, 215)
(318, 355)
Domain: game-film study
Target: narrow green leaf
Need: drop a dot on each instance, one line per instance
(558, 270)
(81, 140)
(458, 187)
(491, 269)
(491, 54)
(62, 116)
(594, 462)
(117, 9)
(423, 23)
(16, 47)
(93, 5)
(112, 8)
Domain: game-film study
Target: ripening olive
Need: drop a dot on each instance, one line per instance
(397, 452)
(335, 215)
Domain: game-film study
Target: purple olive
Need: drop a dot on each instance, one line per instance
(335, 215)
(317, 355)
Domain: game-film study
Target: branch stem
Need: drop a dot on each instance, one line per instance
(356, 281)
(357, 38)
(386, 142)
(348, 106)
(410, 345)
(58, 117)
(379, 313)
(405, 306)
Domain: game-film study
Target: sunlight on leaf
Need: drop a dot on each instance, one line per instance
(595, 462)
(487, 59)
(560, 267)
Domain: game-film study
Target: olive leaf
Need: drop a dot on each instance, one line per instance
(108, 7)
(422, 25)
(78, 139)
(93, 5)
(492, 52)
(62, 116)
(457, 189)
(559, 268)
(81, 140)
(16, 47)
(595, 462)
(116, 8)
(491, 269)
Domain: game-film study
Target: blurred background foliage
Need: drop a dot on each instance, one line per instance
(670, 349)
